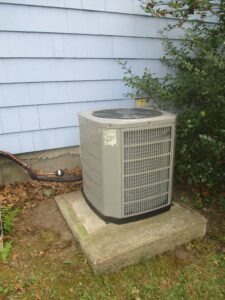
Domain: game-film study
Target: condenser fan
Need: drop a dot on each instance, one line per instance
(127, 113)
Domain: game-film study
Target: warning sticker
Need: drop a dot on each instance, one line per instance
(110, 137)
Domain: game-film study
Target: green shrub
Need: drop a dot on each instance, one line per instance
(195, 86)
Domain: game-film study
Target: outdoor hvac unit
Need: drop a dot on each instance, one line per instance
(127, 161)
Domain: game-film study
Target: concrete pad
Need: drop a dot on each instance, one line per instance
(109, 247)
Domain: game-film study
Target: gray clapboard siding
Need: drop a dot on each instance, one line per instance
(119, 6)
(35, 140)
(46, 45)
(41, 19)
(42, 70)
(64, 113)
(23, 94)
(19, 119)
(20, 142)
(47, 116)
(59, 57)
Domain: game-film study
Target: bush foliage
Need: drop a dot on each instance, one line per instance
(195, 85)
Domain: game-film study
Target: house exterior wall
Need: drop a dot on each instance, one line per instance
(58, 58)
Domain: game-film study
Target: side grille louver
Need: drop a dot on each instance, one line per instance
(146, 165)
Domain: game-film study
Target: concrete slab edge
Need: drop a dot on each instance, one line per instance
(77, 229)
(147, 250)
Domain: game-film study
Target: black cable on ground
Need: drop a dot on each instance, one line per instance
(58, 175)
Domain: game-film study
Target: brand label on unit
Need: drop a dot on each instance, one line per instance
(110, 137)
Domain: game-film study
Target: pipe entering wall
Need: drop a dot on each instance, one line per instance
(58, 176)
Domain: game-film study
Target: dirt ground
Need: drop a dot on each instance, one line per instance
(46, 263)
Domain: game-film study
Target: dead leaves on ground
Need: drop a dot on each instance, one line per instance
(25, 194)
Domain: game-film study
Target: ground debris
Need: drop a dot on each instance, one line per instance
(46, 262)
(24, 194)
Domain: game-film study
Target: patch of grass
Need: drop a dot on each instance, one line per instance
(161, 278)
(5, 290)
(30, 281)
(8, 214)
(4, 254)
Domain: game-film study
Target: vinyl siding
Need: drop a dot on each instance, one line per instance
(59, 57)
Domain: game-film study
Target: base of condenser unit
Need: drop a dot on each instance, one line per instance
(124, 220)
(110, 247)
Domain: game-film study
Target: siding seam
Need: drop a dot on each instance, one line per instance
(94, 10)
(75, 58)
(60, 103)
(90, 34)
(82, 9)
(58, 81)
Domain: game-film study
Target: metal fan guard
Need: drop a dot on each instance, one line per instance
(127, 113)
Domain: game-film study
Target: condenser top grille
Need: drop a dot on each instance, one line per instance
(127, 113)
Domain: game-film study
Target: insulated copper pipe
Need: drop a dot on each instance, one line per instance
(58, 176)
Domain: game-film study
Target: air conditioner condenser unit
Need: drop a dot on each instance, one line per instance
(127, 161)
